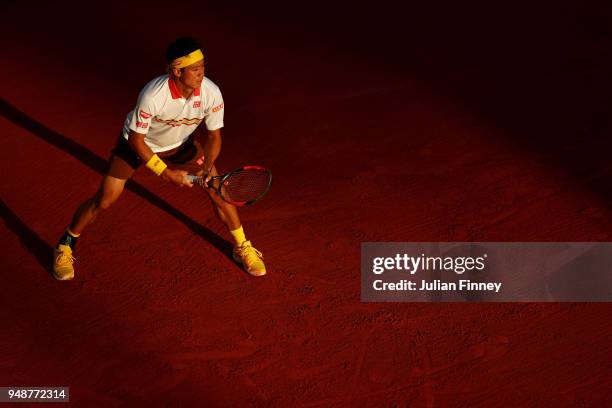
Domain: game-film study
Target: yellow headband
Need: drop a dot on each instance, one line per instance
(188, 59)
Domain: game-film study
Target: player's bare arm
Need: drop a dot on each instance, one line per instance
(212, 148)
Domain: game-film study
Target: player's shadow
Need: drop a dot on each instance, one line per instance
(98, 164)
(34, 243)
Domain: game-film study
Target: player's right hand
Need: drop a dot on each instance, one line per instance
(177, 177)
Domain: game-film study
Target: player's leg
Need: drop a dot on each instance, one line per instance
(109, 191)
(244, 252)
(226, 213)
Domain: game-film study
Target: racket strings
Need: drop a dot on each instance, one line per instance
(247, 185)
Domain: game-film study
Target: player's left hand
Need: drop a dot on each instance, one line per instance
(208, 175)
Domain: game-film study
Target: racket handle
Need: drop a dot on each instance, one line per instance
(194, 179)
(198, 179)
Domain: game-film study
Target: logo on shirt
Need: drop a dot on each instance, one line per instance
(145, 115)
(142, 125)
(196, 104)
(217, 108)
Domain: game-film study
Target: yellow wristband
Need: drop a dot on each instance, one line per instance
(156, 165)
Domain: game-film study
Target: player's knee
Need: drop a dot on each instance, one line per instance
(211, 192)
(226, 206)
(219, 203)
(103, 202)
(109, 192)
(214, 197)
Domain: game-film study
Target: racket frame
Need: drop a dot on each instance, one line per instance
(223, 178)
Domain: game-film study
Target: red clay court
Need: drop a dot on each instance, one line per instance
(381, 122)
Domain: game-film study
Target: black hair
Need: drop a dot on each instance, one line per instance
(181, 47)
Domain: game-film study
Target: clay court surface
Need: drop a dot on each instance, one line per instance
(418, 123)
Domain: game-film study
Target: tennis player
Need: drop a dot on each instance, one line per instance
(159, 133)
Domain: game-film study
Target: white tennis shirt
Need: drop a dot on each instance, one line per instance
(167, 119)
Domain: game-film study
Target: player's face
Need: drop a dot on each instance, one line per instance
(193, 75)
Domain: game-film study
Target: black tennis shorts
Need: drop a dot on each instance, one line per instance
(124, 160)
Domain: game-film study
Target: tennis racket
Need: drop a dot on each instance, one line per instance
(239, 187)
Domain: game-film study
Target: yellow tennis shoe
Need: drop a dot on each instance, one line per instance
(250, 258)
(62, 263)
